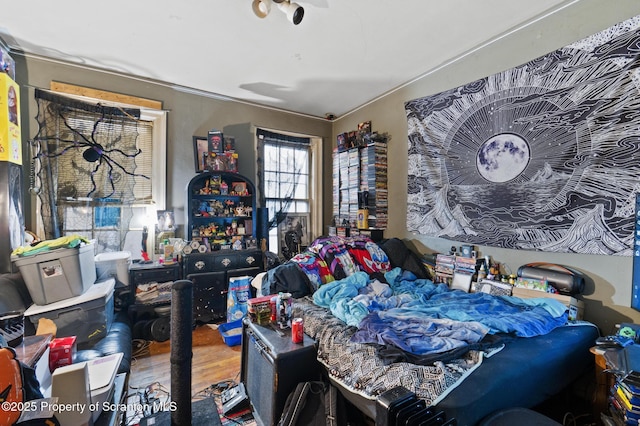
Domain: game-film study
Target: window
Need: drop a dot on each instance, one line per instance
(285, 180)
(95, 168)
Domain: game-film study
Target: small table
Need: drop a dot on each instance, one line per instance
(604, 381)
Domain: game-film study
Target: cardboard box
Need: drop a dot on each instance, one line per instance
(575, 306)
(260, 309)
(61, 352)
(10, 140)
(532, 284)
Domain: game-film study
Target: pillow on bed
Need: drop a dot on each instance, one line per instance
(335, 254)
(316, 269)
(368, 255)
(402, 257)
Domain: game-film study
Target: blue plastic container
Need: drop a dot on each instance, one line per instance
(231, 332)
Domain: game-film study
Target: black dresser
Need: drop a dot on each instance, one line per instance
(210, 273)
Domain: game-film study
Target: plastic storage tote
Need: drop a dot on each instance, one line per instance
(113, 264)
(88, 317)
(57, 274)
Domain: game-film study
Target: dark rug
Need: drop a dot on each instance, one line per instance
(203, 413)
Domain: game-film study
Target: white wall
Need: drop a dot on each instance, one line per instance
(608, 295)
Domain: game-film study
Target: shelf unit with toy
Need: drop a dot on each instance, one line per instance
(220, 225)
(220, 212)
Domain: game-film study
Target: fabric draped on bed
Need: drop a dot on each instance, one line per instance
(358, 367)
(421, 317)
(379, 326)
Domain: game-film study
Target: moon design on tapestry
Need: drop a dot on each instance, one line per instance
(544, 156)
(502, 157)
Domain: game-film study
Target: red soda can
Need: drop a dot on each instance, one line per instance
(297, 330)
(273, 303)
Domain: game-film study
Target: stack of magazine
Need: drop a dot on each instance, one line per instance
(624, 398)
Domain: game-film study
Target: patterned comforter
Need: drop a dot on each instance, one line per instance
(357, 366)
(376, 333)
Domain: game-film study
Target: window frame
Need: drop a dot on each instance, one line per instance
(315, 184)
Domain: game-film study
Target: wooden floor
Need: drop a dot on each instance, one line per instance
(213, 363)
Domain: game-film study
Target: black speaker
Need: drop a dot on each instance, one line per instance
(271, 367)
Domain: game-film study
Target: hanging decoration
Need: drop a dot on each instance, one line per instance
(83, 153)
(544, 156)
(99, 133)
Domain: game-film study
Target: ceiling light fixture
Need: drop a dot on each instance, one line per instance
(294, 11)
(261, 7)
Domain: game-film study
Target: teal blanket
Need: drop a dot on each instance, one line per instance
(421, 317)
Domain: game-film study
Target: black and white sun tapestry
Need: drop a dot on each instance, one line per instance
(544, 156)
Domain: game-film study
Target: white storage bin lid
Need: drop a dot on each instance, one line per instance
(113, 256)
(100, 289)
(113, 263)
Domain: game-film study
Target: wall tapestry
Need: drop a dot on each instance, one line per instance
(544, 156)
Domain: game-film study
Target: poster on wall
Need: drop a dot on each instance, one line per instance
(544, 156)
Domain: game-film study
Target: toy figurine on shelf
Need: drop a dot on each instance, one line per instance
(232, 161)
(215, 181)
(239, 188)
(145, 235)
(236, 243)
(229, 143)
(230, 207)
(217, 208)
(240, 210)
(206, 189)
(204, 210)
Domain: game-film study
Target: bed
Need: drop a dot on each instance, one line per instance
(380, 322)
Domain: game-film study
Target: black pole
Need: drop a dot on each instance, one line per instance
(181, 351)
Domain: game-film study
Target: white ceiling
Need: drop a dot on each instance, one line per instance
(342, 55)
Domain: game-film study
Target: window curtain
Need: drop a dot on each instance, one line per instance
(84, 160)
(277, 139)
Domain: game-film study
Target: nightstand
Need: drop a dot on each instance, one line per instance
(604, 382)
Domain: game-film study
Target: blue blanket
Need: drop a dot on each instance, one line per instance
(421, 317)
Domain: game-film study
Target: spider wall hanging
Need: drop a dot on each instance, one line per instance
(93, 153)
